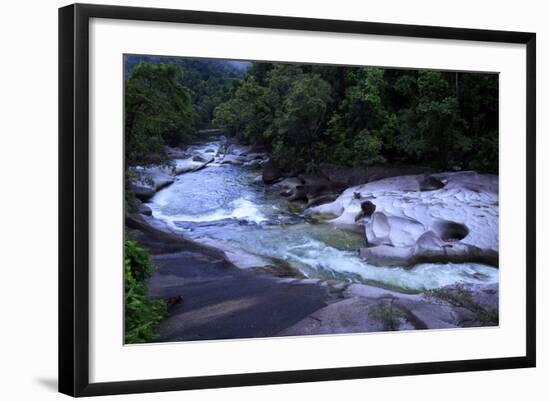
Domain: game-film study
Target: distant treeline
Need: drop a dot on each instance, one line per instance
(167, 100)
(309, 114)
(210, 81)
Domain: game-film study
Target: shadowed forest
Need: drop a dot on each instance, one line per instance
(309, 114)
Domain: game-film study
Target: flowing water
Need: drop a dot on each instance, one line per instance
(230, 205)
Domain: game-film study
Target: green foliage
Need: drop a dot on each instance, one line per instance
(294, 207)
(308, 114)
(286, 114)
(141, 313)
(487, 317)
(300, 120)
(390, 315)
(210, 82)
(244, 114)
(158, 112)
(362, 124)
(366, 148)
(260, 72)
(478, 98)
(459, 295)
(438, 120)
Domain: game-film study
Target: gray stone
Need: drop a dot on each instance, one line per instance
(142, 191)
(430, 183)
(144, 209)
(270, 172)
(233, 159)
(319, 200)
(347, 316)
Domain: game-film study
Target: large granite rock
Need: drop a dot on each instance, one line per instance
(151, 179)
(234, 159)
(367, 308)
(446, 217)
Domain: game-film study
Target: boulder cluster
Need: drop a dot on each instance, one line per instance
(146, 181)
(411, 219)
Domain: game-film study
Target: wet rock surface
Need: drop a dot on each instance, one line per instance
(370, 309)
(446, 217)
(232, 260)
(217, 300)
(149, 180)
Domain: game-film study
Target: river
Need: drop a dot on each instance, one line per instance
(230, 205)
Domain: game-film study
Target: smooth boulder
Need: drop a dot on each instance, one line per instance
(458, 211)
(271, 172)
(150, 179)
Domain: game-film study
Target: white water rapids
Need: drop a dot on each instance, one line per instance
(227, 204)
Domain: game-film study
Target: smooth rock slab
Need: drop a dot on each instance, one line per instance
(191, 164)
(152, 179)
(428, 249)
(462, 215)
(234, 159)
(347, 316)
(372, 309)
(219, 301)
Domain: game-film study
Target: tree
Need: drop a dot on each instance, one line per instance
(431, 128)
(210, 81)
(479, 107)
(158, 112)
(301, 119)
(286, 115)
(309, 114)
(260, 72)
(364, 124)
(141, 314)
(246, 114)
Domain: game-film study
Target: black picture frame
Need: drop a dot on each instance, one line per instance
(74, 198)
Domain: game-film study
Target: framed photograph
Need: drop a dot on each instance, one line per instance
(250, 199)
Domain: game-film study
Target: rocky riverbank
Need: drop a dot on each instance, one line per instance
(146, 181)
(407, 215)
(407, 219)
(211, 298)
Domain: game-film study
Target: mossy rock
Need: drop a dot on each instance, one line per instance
(321, 217)
(295, 207)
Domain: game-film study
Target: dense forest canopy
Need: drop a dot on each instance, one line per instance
(209, 81)
(305, 115)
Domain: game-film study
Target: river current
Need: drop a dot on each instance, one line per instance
(230, 205)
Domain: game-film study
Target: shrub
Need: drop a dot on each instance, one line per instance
(141, 313)
(158, 112)
(459, 295)
(390, 315)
